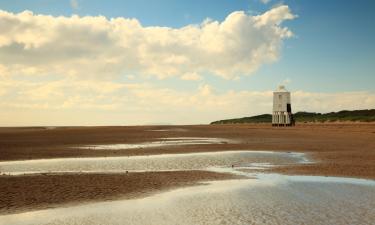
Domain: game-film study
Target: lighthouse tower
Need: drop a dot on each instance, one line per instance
(282, 108)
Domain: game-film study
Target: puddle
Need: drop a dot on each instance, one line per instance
(163, 142)
(190, 161)
(271, 199)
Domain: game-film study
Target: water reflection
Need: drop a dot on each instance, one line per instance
(272, 199)
(190, 161)
(163, 142)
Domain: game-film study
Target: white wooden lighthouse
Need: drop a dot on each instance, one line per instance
(282, 108)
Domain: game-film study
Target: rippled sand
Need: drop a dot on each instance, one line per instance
(271, 199)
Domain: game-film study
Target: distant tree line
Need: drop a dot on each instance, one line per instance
(367, 115)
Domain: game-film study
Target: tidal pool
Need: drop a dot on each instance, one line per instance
(270, 199)
(164, 162)
(162, 142)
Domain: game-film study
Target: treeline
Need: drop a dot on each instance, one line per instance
(367, 115)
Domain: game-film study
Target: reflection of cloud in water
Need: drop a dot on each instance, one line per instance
(271, 199)
(163, 142)
(187, 161)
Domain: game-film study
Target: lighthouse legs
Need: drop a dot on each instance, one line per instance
(282, 119)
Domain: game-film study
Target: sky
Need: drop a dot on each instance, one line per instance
(91, 62)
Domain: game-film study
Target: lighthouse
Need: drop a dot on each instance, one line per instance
(282, 108)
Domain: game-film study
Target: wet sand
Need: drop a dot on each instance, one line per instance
(32, 192)
(270, 199)
(346, 150)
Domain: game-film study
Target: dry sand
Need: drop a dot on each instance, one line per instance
(338, 150)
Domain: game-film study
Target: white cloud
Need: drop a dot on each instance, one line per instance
(98, 47)
(73, 69)
(126, 103)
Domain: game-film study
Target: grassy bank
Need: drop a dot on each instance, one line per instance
(345, 115)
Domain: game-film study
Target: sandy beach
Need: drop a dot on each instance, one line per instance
(345, 150)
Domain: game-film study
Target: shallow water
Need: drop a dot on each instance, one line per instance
(163, 142)
(271, 199)
(189, 161)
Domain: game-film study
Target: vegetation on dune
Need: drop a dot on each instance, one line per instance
(345, 115)
(264, 118)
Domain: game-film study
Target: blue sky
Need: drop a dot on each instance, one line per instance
(331, 52)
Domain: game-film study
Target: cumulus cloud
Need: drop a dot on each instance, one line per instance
(91, 70)
(98, 47)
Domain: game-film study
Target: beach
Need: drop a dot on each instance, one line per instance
(331, 149)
